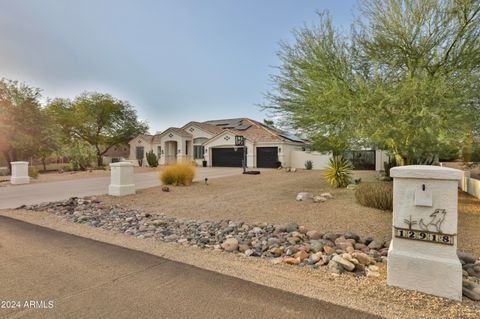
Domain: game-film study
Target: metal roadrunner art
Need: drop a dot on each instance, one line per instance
(430, 230)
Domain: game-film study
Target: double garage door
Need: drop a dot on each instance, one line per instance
(267, 157)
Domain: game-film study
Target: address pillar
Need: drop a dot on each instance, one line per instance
(423, 253)
(121, 179)
(19, 173)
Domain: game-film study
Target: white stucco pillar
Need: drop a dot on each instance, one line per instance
(423, 252)
(463, 184)
(121, 179)
(19, 173)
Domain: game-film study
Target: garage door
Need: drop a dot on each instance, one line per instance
(267, 157)
(227, 157)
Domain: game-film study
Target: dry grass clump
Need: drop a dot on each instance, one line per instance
(178, 174)
(377, 195)
(33, 172)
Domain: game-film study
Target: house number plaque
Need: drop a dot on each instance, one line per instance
(430, 229)
(422, 235)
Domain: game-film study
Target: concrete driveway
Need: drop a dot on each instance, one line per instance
(12, 197)
(75, 277)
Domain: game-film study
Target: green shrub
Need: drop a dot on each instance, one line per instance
(338, 172)
(376, 194)
(152, 159)
(33, 172)
(308, 165)
(178, 174)
(81, 155)
(389, 165)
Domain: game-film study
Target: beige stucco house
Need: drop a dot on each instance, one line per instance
(214, 143)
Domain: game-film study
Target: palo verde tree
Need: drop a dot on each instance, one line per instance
(406, 78)
(97, 119)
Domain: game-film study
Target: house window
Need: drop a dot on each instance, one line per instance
(159, 151)
(198, 148)
(140, 152)
(198, 151)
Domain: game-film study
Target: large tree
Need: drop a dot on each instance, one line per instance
(97, 119)
(406, 78)
(21, 120)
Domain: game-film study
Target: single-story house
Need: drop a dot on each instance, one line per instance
(212, 143)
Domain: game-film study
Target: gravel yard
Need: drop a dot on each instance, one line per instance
(270, 198)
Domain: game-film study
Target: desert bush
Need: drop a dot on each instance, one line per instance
(152, 159)
(308, 165)
(338, 172)
(81, 155)
(376, 194)
(33, 172)
(178, 174)
(392, 162)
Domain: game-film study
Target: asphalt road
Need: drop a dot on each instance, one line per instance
(83, 278)
(15, 196)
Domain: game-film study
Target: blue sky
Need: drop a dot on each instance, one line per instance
(175, 60)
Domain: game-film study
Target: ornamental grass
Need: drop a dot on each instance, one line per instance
(376, 194)
(178, 174)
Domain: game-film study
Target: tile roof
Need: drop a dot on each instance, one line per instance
(254, 131)
(146, 137)
(206, 127)
(175, 130)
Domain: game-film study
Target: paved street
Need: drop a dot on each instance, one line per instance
(14, 196)
(89, 279)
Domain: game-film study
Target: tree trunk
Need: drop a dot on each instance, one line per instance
(44, 165)
(99, 160)
(99, 157)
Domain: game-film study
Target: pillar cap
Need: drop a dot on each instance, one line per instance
(121, 164)
(18, 162)
(426, 172)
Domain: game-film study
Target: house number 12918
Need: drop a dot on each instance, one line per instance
(439, 238)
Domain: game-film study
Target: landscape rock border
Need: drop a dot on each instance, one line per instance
(290, 244)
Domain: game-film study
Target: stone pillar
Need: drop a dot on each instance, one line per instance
(423, 252)
(19, 173)
(121, 179)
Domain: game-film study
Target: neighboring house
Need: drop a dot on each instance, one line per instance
(212, 143)
(116, 153)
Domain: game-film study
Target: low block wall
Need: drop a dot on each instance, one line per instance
(319, 160)
(469, 185)
(473, 187)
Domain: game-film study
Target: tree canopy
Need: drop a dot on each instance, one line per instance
(97, 119)
(406, 79)
(22, 121)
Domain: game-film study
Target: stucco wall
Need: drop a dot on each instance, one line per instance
(298, 159)
(380, 158)
(180, 148)
(473, 187)
(147, 147)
